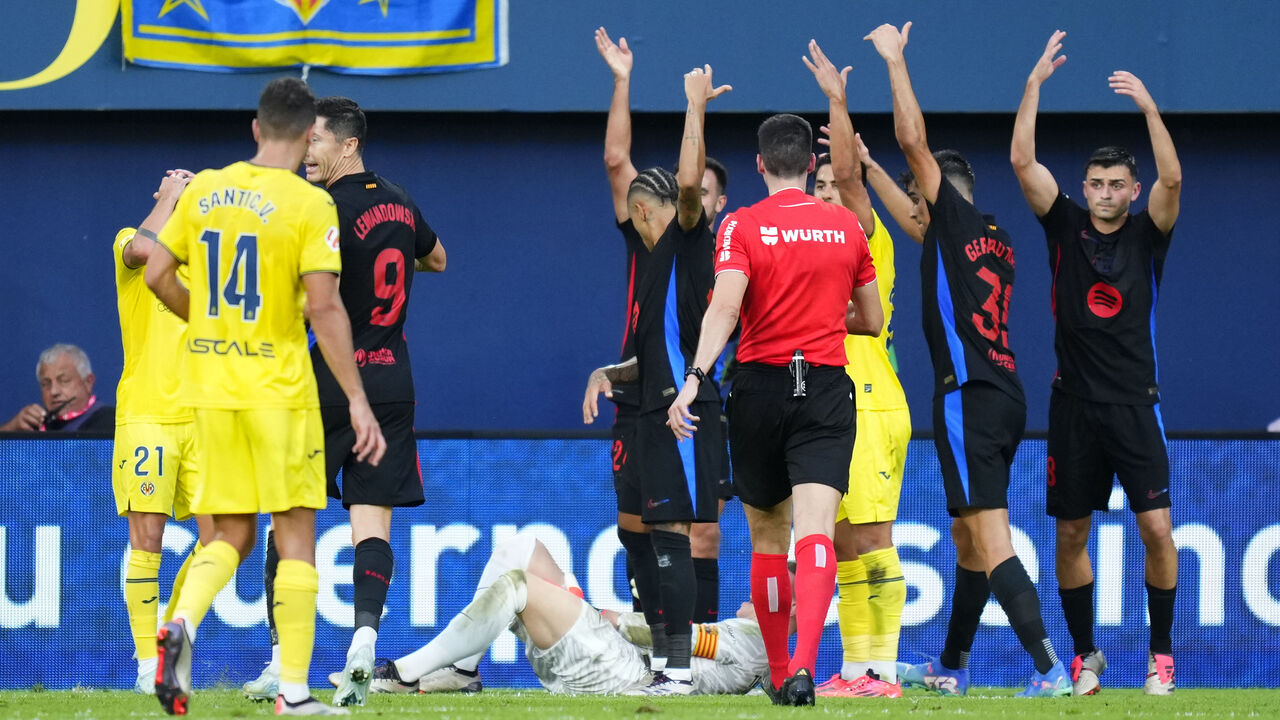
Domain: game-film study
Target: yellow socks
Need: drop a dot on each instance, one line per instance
(855, 617)
(887, 593)
(178, 579)
(141, 598)
(206, 576)
(295, 613)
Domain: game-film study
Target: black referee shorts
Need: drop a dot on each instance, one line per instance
(977, 429)
(778, 441)
(1090, 443)
(396, 481)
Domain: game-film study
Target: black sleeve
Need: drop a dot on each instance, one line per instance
(1060, 219)
(1159, 240)
(426, 238)
(699, 229)
(631, 236)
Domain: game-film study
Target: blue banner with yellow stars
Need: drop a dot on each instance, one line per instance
(370, 37)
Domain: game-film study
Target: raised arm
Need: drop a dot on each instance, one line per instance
(908, 122)
(617, 134)
(162, 277)
(845, 168)
(886, 188)
(1166, 194)
(135, 254)
(1038, 185)
(698, 89)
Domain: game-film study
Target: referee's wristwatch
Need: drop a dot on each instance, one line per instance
(695, 371)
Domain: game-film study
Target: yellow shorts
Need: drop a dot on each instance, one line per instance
(875, 475)
(153, 469)
(259, 461)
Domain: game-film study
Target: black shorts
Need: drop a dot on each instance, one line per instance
(778, 441)
(396, 481)
(977, 430)
(676, 481)
(1090, 443)
(626, 483)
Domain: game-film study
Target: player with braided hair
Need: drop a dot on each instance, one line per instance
(675, 484)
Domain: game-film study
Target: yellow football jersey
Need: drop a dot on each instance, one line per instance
(872, 362)
(248, 234)
(152, 338)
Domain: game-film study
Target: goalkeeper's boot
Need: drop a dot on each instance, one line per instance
(933, 675)
(173, 669)
(1086, 671)
(310, 706)
(264, 687)
(1055, 683)
(353, 687)
(1159, 675)
(450, 679)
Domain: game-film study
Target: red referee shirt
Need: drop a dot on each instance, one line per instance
(802, 258)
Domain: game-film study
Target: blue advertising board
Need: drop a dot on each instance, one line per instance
(62, 556)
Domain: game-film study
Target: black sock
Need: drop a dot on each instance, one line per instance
(706, 606)
(371, 574)
(1077, 607)
(631, 584)
(1160, 608)
(679, 588)
(645, 567)
(269, 582)
(967, 602)
(1012, 587)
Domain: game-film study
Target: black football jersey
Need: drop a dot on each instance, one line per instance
(966, 270)
(382, 234)
(1105, 287)
(637, 259)
(671, 299)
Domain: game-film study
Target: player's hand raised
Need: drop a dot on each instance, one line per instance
(1050, 60)
(699, 88)
(888, 41)
(618, 57)
(831, 81)
(370, 445)
(1126, 83)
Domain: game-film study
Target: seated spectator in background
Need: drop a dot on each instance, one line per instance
(66, 388)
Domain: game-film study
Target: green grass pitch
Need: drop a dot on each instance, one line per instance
(519, 705)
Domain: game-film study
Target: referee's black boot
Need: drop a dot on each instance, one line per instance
(798, 689)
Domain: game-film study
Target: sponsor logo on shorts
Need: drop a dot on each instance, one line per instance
(1153, 494)
(866, 388)
(121, 465)
(147, 488)
(313, 453)
(656, 503)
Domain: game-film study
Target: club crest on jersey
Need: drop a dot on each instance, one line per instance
(147, 488)
(769, 235)
(331, 238)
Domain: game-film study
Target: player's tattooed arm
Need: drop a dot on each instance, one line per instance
(698, 90)
(602, 380)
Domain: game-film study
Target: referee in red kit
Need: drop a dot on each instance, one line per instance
(799, 272)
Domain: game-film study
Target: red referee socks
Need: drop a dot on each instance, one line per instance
(815, 583)
(771, 596)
